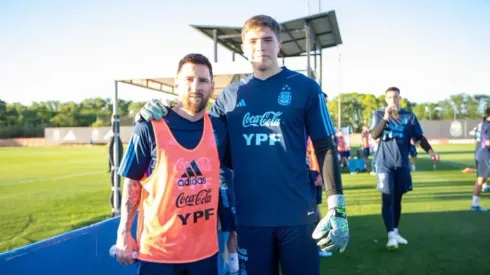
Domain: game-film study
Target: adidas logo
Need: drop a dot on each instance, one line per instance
(192, 176)
(241, 103)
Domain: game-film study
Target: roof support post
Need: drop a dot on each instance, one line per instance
(116, 179)
(321, 68)
(215, 38)
(315, 57)
(307, 47)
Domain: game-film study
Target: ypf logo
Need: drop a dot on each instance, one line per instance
(192, 176)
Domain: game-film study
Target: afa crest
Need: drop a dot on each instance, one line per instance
(405, 120)
(285, 96)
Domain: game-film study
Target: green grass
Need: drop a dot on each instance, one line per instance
(48, 191)
(444, 237)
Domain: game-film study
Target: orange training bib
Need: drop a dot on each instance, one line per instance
(177, 222)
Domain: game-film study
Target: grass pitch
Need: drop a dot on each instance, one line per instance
(48, 191)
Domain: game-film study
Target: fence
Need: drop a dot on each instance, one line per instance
(85, 134)
(452, 131)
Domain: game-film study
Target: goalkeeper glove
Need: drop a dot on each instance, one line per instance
(154, 109)
(332, 232)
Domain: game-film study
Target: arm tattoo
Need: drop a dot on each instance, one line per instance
(378, 129)
(129, 205)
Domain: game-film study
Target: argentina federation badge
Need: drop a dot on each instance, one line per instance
(405, 120)
(284, 98)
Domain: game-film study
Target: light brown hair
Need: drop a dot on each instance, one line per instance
(260, 21)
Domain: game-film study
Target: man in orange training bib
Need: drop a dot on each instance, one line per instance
(365, 145)
(172, 171)
(316, 179)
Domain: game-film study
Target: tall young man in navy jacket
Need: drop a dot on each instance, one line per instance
(270, 116)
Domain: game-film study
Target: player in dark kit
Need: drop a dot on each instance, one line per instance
(413, 154)
(395, 128)
(482, 164)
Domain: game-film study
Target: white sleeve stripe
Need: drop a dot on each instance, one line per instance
(323, 117)
(327, 122)
(329, 119)
(130, 154)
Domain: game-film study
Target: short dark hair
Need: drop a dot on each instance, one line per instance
(258, 21)
(197, 59)
(487, 112)
(394, 89)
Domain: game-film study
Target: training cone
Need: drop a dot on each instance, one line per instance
(467, 170)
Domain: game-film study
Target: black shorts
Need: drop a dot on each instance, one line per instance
(476, 167)
(393, 180)
(205, 266)
(261, 248)
(483, 169)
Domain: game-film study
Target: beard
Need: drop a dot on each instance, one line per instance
(195, 103)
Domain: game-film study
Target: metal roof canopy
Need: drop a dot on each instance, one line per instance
(224, 73)
(299, 37)
(323, 33)
(322, 27)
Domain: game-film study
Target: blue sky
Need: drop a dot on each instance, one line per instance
(72, 50)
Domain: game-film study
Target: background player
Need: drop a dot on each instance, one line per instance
(481, 162)
(316, 180)
(342, 149)
(395, 127)
(365, 146)
(413, 154)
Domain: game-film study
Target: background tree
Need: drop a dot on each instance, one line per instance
(17, 120)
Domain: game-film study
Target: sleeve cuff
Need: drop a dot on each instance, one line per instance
(335, 201)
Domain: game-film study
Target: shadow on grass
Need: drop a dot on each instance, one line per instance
(452, 152)
(416, 185)
(444, 184)
(438, 243)
(426, 165)
(415, 199)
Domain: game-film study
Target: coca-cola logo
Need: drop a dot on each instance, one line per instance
(199, 198)
(268, 119)
(203, 162)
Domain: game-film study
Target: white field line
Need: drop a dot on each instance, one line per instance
(55, 178)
